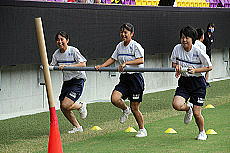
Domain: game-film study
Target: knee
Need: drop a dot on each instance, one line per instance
(115, 100)
(178, 103)
(65, 107)
(176, 107)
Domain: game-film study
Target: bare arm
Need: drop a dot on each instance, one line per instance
(107, 63)
(198, 70)
(137, 61)
(81, 64)
(178, 69)
(191, 69)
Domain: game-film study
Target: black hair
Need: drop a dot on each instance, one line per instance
(63, 34)
(189, 31)
(210, 25)
(200, 33)
(127, 26)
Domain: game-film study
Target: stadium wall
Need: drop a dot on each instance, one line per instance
(94, 30)
(22, 92)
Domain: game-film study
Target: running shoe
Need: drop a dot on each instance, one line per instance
(208, 85)
(125, 115)
(74, 130)
(202, 136)
(141, 133)
(189, 114)
(83, 110)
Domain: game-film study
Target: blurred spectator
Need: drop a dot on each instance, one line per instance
(71, 1)
(97, 1)
(208, 41)
(166, 2)
(85, 1)
(89, 1)
(209, 38)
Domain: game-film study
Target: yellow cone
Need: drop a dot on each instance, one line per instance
(130, 129)
(209, 106)
(170, 130)
(96, 128)
(211, 131)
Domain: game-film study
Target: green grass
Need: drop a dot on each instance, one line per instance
(30, 133)
(158, 141)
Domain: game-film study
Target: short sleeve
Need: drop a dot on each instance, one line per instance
(115, 53)
(173, 55)
(78, 56)
(205, 60)
(139, 51)
(54, 60)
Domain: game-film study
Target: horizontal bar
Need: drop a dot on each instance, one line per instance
(113, 69)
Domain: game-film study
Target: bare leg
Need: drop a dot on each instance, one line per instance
(117, 100)
(206, 76)
(67, 105)
(70, 105)
(198, 117)
(137, 114)
(179, 104)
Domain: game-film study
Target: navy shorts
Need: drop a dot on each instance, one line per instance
(131, 86)
(72, 89)
(193, 88)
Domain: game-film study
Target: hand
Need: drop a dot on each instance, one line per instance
(191, 70)
(178, 71)
(121, 67)
(62, 66)
(97, 67)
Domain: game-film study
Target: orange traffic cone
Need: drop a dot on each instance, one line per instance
(55, 144)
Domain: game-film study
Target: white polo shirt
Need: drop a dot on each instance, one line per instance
(200, 45)
(71, 56)
(195, 58)
(128, 53)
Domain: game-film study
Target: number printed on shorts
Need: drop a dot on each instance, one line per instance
(136, 96)
(200, 100)
(73, 94)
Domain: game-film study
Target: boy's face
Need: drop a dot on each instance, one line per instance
(186, 42)
(62, 42)
(126, 35)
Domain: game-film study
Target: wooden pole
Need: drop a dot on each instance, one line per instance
(43, 54)
(55, 144)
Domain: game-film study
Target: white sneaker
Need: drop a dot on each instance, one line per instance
(189, 114)
(141, 133)
(83, 111)
(202, 136)
(74, 130)
(125, 115)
